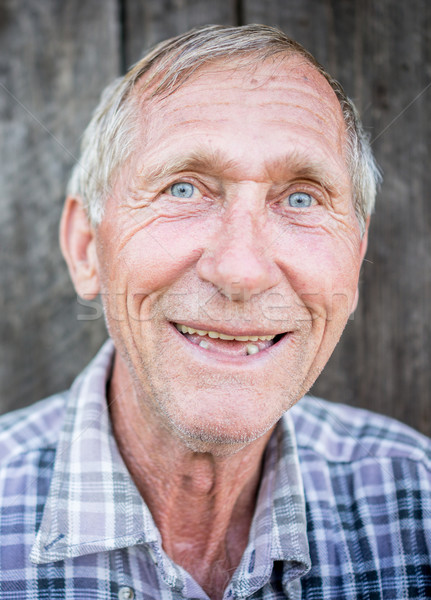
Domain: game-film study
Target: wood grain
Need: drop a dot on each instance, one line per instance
(54, 60)
(55, 57)
(147, 23)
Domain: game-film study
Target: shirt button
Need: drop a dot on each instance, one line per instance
(125, 593)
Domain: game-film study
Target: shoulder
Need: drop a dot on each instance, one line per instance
(31, 429)
(367, 488)
(343, 434)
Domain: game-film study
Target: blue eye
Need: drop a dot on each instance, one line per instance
(182, 189)
(300, 200)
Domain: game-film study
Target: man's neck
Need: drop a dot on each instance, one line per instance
(208, 499)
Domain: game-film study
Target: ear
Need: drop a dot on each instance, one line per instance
(362, 251)
(77, 241)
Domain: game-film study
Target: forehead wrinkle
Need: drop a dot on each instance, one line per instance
(339, 136)
(328, 117)
(325, 114)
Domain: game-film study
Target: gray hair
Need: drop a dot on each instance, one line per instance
(109, 138)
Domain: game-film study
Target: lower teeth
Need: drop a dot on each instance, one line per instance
(252, 349)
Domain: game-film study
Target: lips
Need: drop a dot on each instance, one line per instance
(231, 344)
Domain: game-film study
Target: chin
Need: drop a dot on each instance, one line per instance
(221, 435)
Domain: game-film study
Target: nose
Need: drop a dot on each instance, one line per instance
(239, 259)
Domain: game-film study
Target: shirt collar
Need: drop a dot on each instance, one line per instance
(279, 527)
(94, 506)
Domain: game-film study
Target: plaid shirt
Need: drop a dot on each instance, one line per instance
(343, 510)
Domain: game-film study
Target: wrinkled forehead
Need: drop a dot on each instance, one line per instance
(273, 78)
(277, 100)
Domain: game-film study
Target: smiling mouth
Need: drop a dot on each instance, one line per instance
(234, 345)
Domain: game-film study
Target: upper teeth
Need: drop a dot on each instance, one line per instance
(223, 336)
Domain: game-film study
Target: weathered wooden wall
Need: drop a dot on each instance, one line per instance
(55, 57)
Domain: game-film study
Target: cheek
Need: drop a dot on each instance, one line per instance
(154, 257)
(323, 272)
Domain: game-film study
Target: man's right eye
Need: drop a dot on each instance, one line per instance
(182, 189)
(301, 200)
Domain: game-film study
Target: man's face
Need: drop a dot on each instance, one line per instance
(234, 216)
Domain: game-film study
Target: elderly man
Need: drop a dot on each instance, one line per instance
(220, 207)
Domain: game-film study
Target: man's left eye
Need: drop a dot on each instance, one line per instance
(300, 200)
(182, 189)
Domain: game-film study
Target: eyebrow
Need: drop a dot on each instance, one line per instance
(211, 162)
(215, 163)
(301, 166)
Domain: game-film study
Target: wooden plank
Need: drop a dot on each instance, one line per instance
(146, 23)
(55, 57)
(381, 51)
(54, 60)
